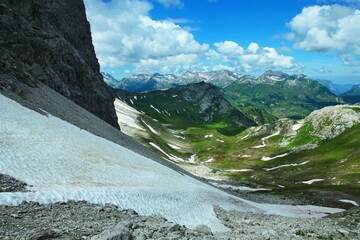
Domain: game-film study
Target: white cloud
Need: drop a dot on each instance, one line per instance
(169, 3)
(253, 47)
(254, 58)
(326, 28)
(127, 38)
(123, 33)
(229, 48)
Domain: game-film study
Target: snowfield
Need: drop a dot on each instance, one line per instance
(62, 162)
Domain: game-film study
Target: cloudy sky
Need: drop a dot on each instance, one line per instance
(320, 38)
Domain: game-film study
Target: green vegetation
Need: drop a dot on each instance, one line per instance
(289, 99)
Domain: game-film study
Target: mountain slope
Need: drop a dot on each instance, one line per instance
(280, 94)
(353, 95)
(148, 82)
(336, 89)
(67, 167)
(49, 42)
(199, 104)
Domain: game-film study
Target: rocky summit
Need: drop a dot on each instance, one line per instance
(39, 46)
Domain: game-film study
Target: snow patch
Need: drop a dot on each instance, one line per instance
(286, 165)
(174, 146)
(271, 158)
(246, 136)
(192, 158)
(219, 140)
(239, 170)
(244, 156)
(265, 138)
(349, 201)
(210, 160)
(209, 136)
(312, 181)
(155, 109)
(127, 116)
(151, 129)
(296, 127)
(168, 155)
(239, 188)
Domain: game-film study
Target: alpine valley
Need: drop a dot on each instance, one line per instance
(216, 155)
(284, 134)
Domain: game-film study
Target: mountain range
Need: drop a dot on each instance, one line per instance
(61, 142)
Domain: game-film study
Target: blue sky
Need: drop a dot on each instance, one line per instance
(320, 38)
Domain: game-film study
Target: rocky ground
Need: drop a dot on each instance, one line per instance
(82, 220)
(10, 184)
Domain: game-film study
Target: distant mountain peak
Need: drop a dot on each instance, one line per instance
(274, 75)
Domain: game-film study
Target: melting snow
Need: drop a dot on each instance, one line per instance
(210, 160)
(209, 136)
(63, 162)
(168, 155)
(219, 140)
(135, 97)
(240, 188)
(349, 201)
(155, 108)
(127, 116)
(244, 156)
(246, 136)
(239, 170)
(265, 138)
(177, 136)
(287, 165)
(192, 158)
(296, 127)
(174, 146)
(151, 129)
(271, 158)
(312, 181)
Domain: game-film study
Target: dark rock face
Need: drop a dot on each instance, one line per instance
(50, 41)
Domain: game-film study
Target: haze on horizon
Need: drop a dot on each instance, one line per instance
(319, 38)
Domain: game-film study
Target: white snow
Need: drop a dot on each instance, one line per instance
(240, 188)
(210, 160)
(312, 181)
(244, 155)
(174, 96)
(296, 127)
(177, 136)
(155, 109)
(239, 170)
(174, 146)
(246, 136)
(265, 138)
(131, 101)
(192, 158)
(271, 158)
(168, 155)
(349, 201)
(127, 116)
(209, 136)
(135, 97)
(151, 129)
(63, 162)
(286, 165)
(219, 140)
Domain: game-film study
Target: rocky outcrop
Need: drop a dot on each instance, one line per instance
(50, 42)
(330, 122)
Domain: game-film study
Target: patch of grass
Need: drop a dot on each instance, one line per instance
(304, 136)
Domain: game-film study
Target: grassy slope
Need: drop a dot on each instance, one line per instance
(338, 157)
(282, 99)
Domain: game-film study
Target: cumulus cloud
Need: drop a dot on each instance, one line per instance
(127, 38)
(328, 28)
(254, 58)
(123, 33)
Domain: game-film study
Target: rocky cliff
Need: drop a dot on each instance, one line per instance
(50, 42)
